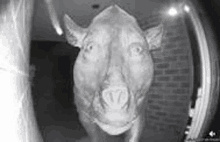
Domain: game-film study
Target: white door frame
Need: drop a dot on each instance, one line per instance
(203, 103)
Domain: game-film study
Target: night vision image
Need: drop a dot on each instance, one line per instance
(109, 71)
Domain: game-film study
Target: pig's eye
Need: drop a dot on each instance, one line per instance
(91, 52)
(135, 49)
(89, 47)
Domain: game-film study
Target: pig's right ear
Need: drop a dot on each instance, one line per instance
(74, 33)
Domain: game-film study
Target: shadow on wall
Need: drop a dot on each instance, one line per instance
(52, 89)
(57, 68)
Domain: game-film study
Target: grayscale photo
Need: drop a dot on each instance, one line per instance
(110, 71)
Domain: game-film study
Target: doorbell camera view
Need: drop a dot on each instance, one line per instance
(109, 71)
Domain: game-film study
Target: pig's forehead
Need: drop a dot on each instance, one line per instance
(130, 35)
(122, 33)
(99, 33)
(114, 23)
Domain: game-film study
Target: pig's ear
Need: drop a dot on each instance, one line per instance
(154, 37)
(74, 33)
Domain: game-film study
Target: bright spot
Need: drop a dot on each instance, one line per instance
(53, 17)
(172, 12)
(186, 8)
(211, 133)
(58, 30)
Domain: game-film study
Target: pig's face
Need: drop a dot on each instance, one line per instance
(114, 68)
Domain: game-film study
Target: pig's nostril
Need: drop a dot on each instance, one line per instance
(119, 96)
(115, 98)
(111, 96)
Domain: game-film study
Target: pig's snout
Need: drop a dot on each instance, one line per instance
(115, 98)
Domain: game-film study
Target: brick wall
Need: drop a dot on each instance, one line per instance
(171, 89)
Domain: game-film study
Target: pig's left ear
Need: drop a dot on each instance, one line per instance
(74, 33)
(154, 37)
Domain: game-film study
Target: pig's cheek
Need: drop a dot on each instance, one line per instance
(137, 73)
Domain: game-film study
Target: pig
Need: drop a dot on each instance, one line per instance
(112, 73)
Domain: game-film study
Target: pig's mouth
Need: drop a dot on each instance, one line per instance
(113, 128)
(115, 112)
(115, 123)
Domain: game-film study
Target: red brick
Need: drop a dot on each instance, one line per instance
(185, 71)
(183, 44)
(156, 96)
(153, 117)
(151, 101)
(169, 120)
(174, 24)
(183, 110)
(167, 43)
(170, 108)
(180, 78)
(184, 97)
(167, 53)
(173, 127)
(151, 91)
(178, 104)
(184, 58)
(158, 60)
(170, 46)
(175, 65)
(171, 97)
(156, 84)
(162, 66)
(162, 129)
(181, 30)
(170, 58)
(160, 113)
(185, 85)
(158, 72)
(180, 91)
(180, 51)
(161, 125)
(175, 116)
(164, 103)
(170, 33)
(149, 111)
(163, 78)
(175, 34)
(154, 107)
(178, 38)
(173, 85)
(163, 91)
(157, 54)
(172, 71)
(151, 123)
